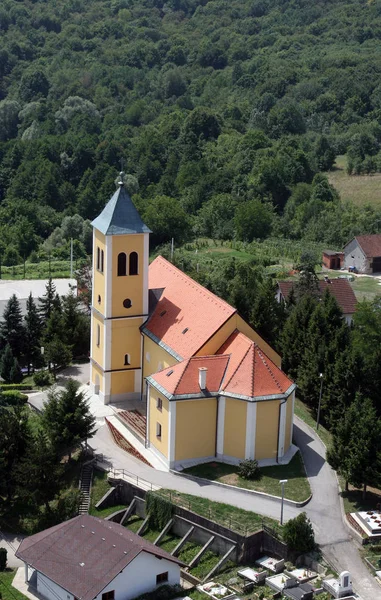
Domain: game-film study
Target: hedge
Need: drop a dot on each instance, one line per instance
(16, 386)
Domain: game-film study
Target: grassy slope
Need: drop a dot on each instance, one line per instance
(359, 189)
(297, 489)
(99, 487)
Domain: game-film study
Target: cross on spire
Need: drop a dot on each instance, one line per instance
(121, 174)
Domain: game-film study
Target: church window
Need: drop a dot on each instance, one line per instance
(99, 299)
(127, 303)
(159, 404)
(98, 335)
(127, 360)
(122, 264)
(98, 258)
(133, 270)
(158, 431)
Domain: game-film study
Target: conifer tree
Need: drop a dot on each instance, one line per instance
(268, 315)
(293, 339)
(76, 325)
(14, 435)
(16, 373)
(33, 330)
(67, 418)
(7, 364)
(47, 300)
(11, 327)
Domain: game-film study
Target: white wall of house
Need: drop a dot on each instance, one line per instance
(354, 257)
(140, 577)
(50, 590)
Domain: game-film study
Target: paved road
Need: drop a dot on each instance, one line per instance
(324, 510)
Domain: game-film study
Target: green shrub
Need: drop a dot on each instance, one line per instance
(159, 510)
(3, 559)
(42, 378)
(12, 398)
(15, 386)
(249, 469)
(299, 535)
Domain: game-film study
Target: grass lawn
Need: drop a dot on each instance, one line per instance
(303, 412)
(100, 486)
(297, 489)
(151, 534)
(373, 553)
(359, 189)
(237, 519)
(366, 288)
(134, 523)
(7, 592)
(353, 500)
(188, 552)
(169, 542)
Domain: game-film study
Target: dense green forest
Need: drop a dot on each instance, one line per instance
(224, 113)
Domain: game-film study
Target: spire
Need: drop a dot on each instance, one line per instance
(120, 216)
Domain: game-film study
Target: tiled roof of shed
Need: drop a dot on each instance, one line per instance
(370, 244)
(186, 314)
(84, 554)
(120, 216)
(340, 289)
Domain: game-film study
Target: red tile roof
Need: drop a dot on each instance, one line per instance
(370, 244)
(250, 371)
(186, 314)
(339, 288)
(84, 554)
(239, 368)
(183, 378)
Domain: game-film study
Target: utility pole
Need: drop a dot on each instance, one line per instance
(71, 258)
(282, 482)
(319, 406)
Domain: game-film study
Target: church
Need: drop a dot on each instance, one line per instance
(213, 388)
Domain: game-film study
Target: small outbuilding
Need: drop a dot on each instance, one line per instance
(87, 558)
(363, 254)
(332, 259)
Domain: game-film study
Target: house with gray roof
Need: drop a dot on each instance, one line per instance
(87, 558)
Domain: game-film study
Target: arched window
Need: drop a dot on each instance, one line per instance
(122, 264)
(127, 360)
(98, 335)
(133, 263)
(98, 258)
(102, 260)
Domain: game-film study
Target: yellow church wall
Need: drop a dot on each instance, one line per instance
(235, 428)
(195, 428)
(122, 382)
(266, 437)
(287, 439)
(253, 335)
(98, 277)
(97, 350)
(158, 358)
(158, 416)
(125, 339)
(97, 371)
(127, 286)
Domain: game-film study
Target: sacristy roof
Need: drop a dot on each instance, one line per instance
(84, 554)
(120, 216)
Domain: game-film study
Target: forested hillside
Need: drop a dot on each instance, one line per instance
(224, 112)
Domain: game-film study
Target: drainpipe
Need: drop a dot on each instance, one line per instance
(280, 410)
(218, 409)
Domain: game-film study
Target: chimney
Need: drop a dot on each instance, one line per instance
(202, 377)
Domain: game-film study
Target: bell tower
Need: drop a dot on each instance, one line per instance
(119, 298)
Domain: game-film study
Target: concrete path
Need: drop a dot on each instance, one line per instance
(325, 513)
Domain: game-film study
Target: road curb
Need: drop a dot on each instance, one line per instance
(245, 491)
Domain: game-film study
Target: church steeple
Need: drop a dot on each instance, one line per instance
(120, 216)
(120, 297)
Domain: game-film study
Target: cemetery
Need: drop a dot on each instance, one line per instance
(220, 563)
(369, 523)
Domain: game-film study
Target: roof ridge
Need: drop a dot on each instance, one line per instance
(236, 369)
(187, 361)
(263, 357)
(202, 288)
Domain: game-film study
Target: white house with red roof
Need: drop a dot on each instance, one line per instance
(213, 387)
(364, 253)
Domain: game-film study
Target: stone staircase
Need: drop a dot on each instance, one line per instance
(85, 487)
(134, 420)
